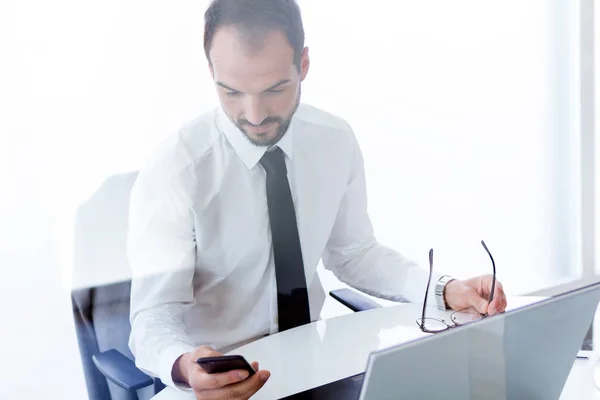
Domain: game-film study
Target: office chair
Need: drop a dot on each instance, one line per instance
(102, 297)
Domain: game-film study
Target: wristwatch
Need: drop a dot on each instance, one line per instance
(439, 292)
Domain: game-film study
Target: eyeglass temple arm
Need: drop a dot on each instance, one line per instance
(427, 290)
(494, 269)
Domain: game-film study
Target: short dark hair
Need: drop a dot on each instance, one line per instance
(255, 18)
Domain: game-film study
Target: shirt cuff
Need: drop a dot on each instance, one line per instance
(166, 363)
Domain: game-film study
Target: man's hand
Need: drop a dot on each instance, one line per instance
(474, 293)
(226, 385)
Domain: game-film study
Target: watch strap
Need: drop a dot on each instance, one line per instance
(439, 292)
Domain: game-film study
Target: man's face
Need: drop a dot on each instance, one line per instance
(259, 86)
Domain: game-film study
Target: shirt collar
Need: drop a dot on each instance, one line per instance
(249, 153)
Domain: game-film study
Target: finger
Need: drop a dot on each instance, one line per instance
(252, 385)
(240, 390)
(501, 297)
(200, 380)
(498, 290)
(254, 365)
(494, 307)
(476, 301)
(503, 305)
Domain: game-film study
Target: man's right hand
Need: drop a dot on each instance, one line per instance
(225, 385)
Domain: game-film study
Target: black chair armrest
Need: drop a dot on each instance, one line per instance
(353, 300)
(121, 370)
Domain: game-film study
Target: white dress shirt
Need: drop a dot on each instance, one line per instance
(200, 244)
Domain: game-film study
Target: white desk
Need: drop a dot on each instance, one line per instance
(325, 351)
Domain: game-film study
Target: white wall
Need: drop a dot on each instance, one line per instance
(464, 139)
(466, 112)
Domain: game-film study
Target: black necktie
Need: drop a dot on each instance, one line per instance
(292, 295)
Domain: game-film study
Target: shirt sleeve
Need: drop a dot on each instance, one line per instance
(161, 253)
(356, 258)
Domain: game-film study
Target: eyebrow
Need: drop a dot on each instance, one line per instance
(281, 82)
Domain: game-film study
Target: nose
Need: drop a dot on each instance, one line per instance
(255, 112)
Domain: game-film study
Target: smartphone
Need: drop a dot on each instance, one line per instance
(225, 363)
(587, 346)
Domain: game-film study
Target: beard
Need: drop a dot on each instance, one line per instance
(281, 125)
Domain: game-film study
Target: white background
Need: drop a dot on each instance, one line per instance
(467, 113)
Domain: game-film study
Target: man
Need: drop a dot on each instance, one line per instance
(230, 217)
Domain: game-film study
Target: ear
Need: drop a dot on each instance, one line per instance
(304, 64)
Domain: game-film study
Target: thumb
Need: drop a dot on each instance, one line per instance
(478, 303)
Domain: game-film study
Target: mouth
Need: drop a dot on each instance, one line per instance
(259, 130)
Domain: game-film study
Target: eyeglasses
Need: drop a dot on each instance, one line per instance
(457, 318)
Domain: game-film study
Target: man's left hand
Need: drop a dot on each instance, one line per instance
(474, 293)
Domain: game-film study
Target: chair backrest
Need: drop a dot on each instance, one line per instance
(102, 280)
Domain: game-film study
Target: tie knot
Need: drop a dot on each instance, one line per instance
(273, 161)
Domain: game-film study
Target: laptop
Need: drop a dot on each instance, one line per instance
(525, 353)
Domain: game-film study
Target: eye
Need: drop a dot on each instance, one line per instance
(232, 94)
(274, 90)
